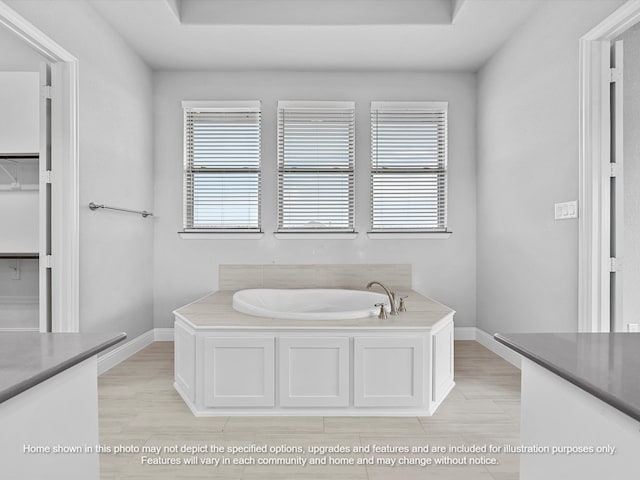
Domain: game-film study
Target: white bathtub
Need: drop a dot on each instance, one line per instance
(308, 304)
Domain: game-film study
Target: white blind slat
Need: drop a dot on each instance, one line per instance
(222, 168)
(316, 166)
(409, 167)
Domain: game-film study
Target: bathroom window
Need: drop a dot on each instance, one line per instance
(316, 154)
(408, 167)
(222, 166)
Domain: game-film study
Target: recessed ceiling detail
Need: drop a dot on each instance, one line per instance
(315, 12)
(179, 35)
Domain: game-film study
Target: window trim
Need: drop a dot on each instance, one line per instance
(203, 106)
(315, 235)
(412, 235)
(417, 233)
(208, 235)
(323, 232)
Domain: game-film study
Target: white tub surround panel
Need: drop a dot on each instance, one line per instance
(230, 363)
(388, 371)
(239, 371)
(314, 372)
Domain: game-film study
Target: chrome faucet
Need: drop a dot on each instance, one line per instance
(392, 299)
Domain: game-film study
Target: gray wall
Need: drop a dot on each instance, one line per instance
(115, 134)
(527, 130)
(528, 160)
(188, 269)
(15, 54)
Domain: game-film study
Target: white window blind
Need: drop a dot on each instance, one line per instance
(409, 166)
(316, 166)
(222, 166)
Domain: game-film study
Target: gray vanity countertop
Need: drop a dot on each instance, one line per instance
(606, 365)
(215, 311)
(29, 358)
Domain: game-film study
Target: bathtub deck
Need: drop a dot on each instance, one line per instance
(215, 310)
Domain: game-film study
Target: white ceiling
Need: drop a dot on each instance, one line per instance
(167, 40)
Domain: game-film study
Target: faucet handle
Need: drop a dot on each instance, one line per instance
(403, 307)
(383, 313)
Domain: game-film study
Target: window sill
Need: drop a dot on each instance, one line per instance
(408, 235)
(315, 235)
(221, 235)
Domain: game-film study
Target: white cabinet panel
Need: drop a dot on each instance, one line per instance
(239, 372)
(442, 356)
(314, 372)
(388, 371)
(185, 360)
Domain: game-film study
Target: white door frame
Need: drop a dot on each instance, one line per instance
(594, 169)
(65, 161)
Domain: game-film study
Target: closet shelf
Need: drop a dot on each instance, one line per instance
(19, 156)
(4, 255)
(12, 165)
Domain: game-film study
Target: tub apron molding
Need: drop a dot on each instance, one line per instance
(230, 363)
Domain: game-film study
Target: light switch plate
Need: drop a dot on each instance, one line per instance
(566, 210)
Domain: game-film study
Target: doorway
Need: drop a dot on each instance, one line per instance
(23, 306)
(58, 179)
(625, 205)
(602, 255)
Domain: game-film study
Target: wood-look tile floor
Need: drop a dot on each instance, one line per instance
(139, 407)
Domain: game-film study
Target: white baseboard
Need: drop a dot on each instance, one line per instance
(124, 351)
(464, 333)
(163, 334)
(488, 341)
